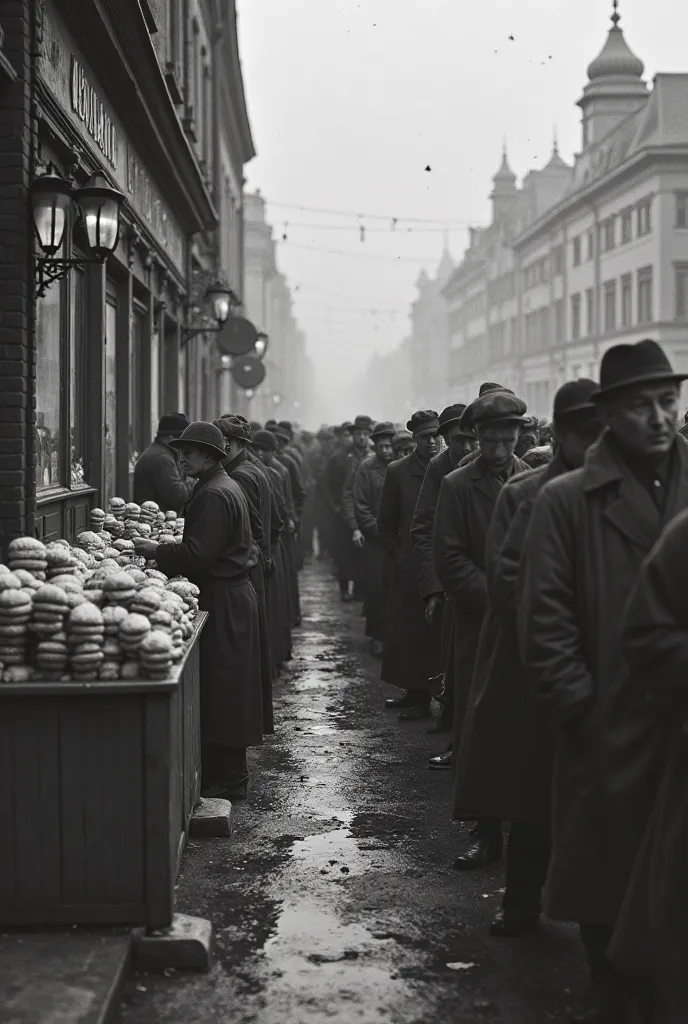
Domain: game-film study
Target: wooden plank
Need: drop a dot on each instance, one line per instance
(7, 812)
(158, 811)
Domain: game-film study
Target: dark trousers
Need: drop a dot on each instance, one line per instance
(527, 857)
(620, 994)
(222, 767)
(489, 830)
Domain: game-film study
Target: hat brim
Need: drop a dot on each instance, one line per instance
(574, 410)
(427, 432)
(518, 420)
(647, 378)
(191, 443)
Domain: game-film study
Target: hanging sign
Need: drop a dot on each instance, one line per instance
(248, 372)
(238, 337)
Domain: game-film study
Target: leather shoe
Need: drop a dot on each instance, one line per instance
(414, 714)
(508, 924)
(397, 703)
(436, 764)
(479, 855)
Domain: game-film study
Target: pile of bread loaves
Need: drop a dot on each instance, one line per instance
(95, 610)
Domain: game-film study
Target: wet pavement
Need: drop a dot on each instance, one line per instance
(335, 900)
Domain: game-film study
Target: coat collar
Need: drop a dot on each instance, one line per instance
(208, 477)
(229, 465)
(485, 481)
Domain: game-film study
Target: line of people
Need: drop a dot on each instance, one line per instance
(534, 591)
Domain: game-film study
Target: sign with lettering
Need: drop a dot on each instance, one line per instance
(91, 111)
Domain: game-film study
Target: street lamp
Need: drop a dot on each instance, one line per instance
(262, 343)
(249, 392)
(220, 297)
(99, 207)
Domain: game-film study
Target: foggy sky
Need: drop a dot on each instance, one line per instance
(350, 101)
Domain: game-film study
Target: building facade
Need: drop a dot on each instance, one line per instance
(288, 389)
(429, 339)
(150, 96)
(580, 258)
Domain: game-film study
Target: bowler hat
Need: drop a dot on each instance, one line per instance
(574, 396)
(173, 423)
(425, 421)
(451, 415)
(623, 366)
(265, 440)
(363, 423)
(201, 435)
(494, 407)
(383, 429)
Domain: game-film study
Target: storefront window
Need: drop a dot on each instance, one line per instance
(77, 365)
(137, 440)
(48, 387)
(110, 409)
(182, 402)
(155, 379)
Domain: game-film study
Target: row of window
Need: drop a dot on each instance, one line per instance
(618, 309)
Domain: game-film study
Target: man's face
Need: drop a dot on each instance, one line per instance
(427, 445)
(458, 443)
(195, 461)
(575, 434)
(644, 419)
(402, 450)
(384, 450)
(266, 455)
(360, 439)
(497, 444)
(527, 439)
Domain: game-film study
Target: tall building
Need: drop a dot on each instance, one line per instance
(288, 389)
(580, 258)
(428, 343)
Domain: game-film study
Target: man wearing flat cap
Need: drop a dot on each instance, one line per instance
(467, 499)
(158, 476)
(412, 654)
(589, 533)
(340, 474)
(215, 554)
(460, 442)
(403, 444)
(505, 762)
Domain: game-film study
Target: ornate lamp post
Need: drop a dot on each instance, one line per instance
(220, 298)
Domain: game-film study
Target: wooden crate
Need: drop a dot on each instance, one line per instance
(97, 785)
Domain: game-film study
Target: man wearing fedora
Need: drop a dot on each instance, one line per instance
(339, 476)
(589, 533)
(157, 474)
(369, 480)
(215, 554)
(466, 503)
(504, 768)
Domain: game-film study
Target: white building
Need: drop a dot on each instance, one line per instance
(582, 258)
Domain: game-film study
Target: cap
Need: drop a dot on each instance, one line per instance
(494, 407)
(383, 429)
(574, 396)
(425, 421)
(173, 423)
(265, 440)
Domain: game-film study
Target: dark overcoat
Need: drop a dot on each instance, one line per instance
(215, 555)
(338, 473)
(652, 929)
(505, 763)
(281, 614)
(159, 477)
(589, 533)
(467, 499)
(369, 481)
(412, 649)
(289, 543)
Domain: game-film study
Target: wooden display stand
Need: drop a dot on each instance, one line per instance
(98, 782)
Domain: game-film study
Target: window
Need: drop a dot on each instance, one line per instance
(645, 295)
(626, 300)
(591, 245)
(576, 316)
(610, 306)
(627, 225)
(576, 252)
(137, 431)
(110, 400)
(77, 363)
(682, 209)
(644, 212)
(48, 386)
(155, 377)
(681, 286)
(173, 35)
(558, 261)
(559, 329)
(589, 311)
(608, 232)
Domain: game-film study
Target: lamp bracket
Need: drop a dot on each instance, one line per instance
(49, 269)
(192, 332)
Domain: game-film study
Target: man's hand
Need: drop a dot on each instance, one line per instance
(358, 539)
(433, 607)
(146, 548)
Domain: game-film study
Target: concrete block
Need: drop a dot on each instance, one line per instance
(211, 819)
(187, 945)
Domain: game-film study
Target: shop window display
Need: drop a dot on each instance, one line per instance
(48, 388)
(110, 397)
(77, 363)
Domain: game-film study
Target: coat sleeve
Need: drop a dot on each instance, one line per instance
(389, 516)
(503, 577)
(364, 509)
(422, 531)
(502, 517)
(171, 487)
(549, 633)
(348, 513)
(298, 488)
(204, 541)
(656, 621)
(456, 570)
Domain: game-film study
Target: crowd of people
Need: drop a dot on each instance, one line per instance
(524, 576)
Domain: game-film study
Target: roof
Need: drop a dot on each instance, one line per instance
(616, 59)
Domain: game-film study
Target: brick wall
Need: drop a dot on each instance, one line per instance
(17, 404)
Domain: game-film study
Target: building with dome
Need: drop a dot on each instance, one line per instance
(580, 258)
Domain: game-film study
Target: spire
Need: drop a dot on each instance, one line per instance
(616, 17)
(555, 161)
(616, 59)
(504, 176)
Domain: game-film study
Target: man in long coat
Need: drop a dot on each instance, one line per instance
(651, 937)
(467, 499)
(460, 442)
(588, 536)
(215, 555)
(369, 479)
(340, 475)
(412, 654)
(158, 476)
(504, 768)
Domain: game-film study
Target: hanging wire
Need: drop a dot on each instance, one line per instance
(370, 216)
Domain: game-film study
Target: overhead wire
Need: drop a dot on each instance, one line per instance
(390, 218)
